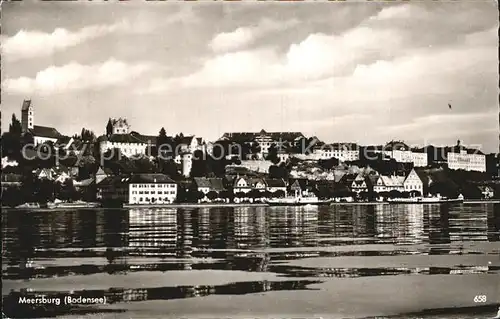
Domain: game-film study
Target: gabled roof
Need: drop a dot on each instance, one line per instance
(45, 131)
(275, 182)
(393, 181)
(216, 184)
(202, 182)
(104, 171)
(26, 105)
(253, 181)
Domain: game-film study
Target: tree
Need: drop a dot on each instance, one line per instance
(169, 167)
(272, 154)
(328, 163)
(212, 195)
(109, 128)
(144, 165)
(15, 126)
(395, 194)
(279, 194)
(279, 171)
(12, 196)
(66, 191)
(254, 193)
(87, 135)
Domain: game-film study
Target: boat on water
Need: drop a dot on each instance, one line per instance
(77, 204)
(297, 201)
(426, 200)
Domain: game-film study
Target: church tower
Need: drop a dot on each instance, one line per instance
(27, 116)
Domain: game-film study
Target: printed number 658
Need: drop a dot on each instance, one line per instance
(480, 298)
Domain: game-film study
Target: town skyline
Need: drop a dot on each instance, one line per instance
(259, 67)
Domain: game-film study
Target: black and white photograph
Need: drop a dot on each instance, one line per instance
(250, 159)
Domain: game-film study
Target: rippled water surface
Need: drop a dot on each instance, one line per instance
(357, 261)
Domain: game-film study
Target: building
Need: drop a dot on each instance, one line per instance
(102, 173)
(264, 139)
(413, 183)
(140, 189)
(11, 180)
(487, 192)
(457, 157)
(128, 144)
(360, 184)
(120, 126)
(40, 134)
(300, 187)
(402, 153)
(206, 185)
(461, 158)
(246, 184)
(344, 152)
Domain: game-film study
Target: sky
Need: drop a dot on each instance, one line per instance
(365, 72)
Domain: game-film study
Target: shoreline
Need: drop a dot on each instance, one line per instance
(195, 205)
(214, 205)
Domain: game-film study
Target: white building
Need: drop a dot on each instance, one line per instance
(129, 145)
(264, 140)
(151, 189)
(402, 153)
(468, 160)
(344, 152)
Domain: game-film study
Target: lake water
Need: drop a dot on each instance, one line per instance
(357, 261)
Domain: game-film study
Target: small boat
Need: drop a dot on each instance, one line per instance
(297, 201)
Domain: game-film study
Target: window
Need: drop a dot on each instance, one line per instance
(140, 199)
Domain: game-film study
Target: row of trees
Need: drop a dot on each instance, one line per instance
(193, 196)
(42, 191)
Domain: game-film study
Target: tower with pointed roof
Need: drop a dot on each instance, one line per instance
(27, 116)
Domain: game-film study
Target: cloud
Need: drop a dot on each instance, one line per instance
(244, 36)
(28, 44)
(75, 76)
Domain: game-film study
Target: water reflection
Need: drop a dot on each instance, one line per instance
(243, 240)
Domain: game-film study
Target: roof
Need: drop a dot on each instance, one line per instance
(393, 181)
(250, 136)
(137, 179)
(145, 138)
(217, 184)
(343, 146)
(126, 138)
(85, 182)
(202, 182)
(26, 105)
(104, 171)
(151, 179)
(45, 131)
(485, 188)
(275, 182)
